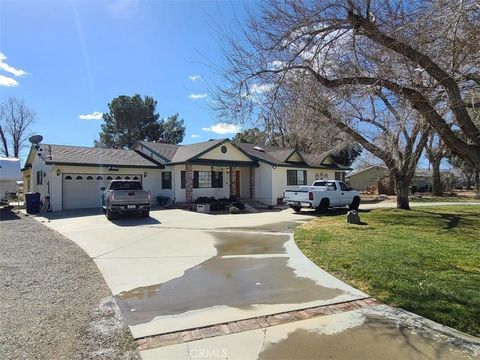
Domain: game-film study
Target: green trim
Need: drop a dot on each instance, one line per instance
(153, 151)
(100, 165)
(207, 150)
(218, 163)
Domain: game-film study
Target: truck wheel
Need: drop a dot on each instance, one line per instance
(323, 206)
(296, 208)
(110, 214)
(146, 213)
(355, 203)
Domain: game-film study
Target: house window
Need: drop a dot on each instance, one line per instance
(89, 177)
(217, 179)
(39, 177)
(109, 178)
(339, 175)
(79, 178)
(127, 177)
(135, 178)
(99, 177)
(167, 180)
(296, 177)
(204, 179)
(68, 177)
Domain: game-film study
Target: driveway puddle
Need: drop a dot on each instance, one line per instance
(236, 282)
(377, 338)
(282, 227)
(232, 243)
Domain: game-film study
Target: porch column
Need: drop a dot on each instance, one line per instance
(251, 172)
(188, 184)
(233, 181)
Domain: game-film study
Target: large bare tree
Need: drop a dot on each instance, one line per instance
(423, 53)
(15, 120)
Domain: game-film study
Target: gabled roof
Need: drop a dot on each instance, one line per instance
(279, 156)
(375, 167)
(80, 155)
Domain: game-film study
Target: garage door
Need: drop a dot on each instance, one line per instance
(82, 191)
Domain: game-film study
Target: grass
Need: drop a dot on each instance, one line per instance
(426, 260)
(443, 199)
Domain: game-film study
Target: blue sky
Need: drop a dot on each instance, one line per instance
(70, 58)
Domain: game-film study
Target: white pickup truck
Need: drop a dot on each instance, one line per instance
(323, 194)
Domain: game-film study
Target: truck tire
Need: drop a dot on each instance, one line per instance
(355, 203)
(296, 208)
(323, 206)
(110, 215)
(146, 213)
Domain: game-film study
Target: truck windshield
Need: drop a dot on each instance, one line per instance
(126, 185)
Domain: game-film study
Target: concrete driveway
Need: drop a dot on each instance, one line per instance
(236, 286)
(180, 270)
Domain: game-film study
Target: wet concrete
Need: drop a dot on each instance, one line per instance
(234, 243)
(281, 227)
(234, 282)
(377, 338)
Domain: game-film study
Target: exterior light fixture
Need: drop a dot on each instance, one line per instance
(112, 168)
(58, 172)
(145, 174)
(274, 166)
(212, 168)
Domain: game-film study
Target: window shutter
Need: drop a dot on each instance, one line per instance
(220, 179)
(305, 177)
(212, 179)
(195, 179)
(182, 179)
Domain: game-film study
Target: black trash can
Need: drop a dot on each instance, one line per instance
(32, 202)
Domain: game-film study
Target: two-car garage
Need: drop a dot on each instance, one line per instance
(82, 191)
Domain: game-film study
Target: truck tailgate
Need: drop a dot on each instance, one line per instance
(296, 195)
(125, 197)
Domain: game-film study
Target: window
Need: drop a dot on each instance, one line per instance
(204, 179)
(68, 177)
(118, 178)
(99, 177)
(339, 175)
(109, 178)
(89, 177)
(344, 187)
(79, 178)
(127, 177)
(135, 178)
(39, 177)
(296, 177)
(126, 185)
(167, 180)
(217, 179)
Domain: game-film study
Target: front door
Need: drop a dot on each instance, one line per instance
(237, 184)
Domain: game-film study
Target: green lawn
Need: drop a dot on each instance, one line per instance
(414, 198)
(426, 260)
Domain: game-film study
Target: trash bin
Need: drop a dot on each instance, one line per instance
(32, 202)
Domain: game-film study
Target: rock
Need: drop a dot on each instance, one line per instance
(353, 217)
(234, 210)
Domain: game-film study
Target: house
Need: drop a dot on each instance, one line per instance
(70, 177)
(366, 178)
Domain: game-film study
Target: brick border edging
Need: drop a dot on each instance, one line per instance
(260, 322)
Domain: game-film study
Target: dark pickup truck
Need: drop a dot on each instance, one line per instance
(126, 196)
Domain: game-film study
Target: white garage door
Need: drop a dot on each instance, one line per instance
(82, 191)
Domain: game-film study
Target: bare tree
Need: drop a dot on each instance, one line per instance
(15, 120)
(422, 53)
(435, 151)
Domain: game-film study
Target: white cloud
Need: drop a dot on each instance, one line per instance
(8, 82)
(96, 115)
(198, 96)
(194, 77)
(196, 136)
(260, 89)
(223, 128)
(5, 80)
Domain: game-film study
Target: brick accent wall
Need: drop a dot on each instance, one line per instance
(251, 172)
(233, 181)
(188, 184)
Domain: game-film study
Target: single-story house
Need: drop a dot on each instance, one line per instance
(363, 179)
(71, 176)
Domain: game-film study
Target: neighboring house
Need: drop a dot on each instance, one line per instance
(369, 177)
(72, 176)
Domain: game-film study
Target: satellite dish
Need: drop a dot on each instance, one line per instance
(35, 139)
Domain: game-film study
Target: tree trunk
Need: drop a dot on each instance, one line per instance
(402, 194)
(436, 180)
(477, 180)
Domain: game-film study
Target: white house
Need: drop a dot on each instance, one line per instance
(70, 177)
